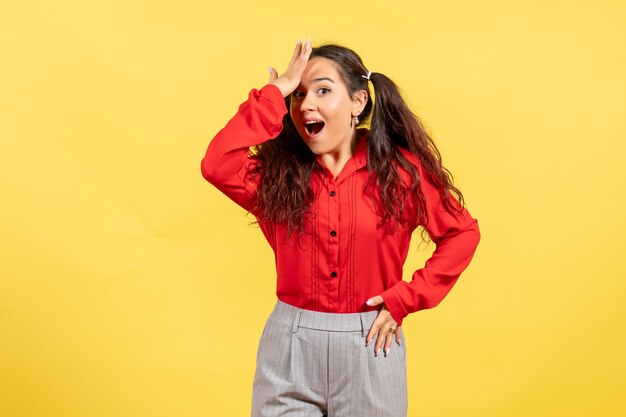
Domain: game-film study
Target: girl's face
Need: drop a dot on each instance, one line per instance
(321, 108)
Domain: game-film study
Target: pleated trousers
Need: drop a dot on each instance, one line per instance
(311, 363)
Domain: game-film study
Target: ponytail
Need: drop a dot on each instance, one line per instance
(393, 125)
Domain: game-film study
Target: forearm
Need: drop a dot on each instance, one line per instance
(430, 285)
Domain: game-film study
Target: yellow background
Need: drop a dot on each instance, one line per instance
(129, 286)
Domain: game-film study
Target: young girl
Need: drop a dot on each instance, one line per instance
(338, 204)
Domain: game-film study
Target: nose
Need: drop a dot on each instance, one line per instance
(307, 103)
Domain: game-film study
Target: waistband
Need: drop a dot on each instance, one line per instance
(319, 320)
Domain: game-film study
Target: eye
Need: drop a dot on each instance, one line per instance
(296, 94)
(323, 90)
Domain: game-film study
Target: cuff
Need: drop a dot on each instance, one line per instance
(273, 94)
(394, 304)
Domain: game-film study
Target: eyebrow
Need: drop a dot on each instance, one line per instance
(316, 80)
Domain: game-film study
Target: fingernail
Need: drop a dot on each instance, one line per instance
(378, 351)
(367, 342)
(370, 302)
(299, 40)
(308, 40)
(269, 70)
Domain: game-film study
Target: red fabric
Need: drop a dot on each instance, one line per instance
(366, 262)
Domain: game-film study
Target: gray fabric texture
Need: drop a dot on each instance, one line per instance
(312, 363)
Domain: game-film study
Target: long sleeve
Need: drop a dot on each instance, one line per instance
(258, 120)
(456, 240)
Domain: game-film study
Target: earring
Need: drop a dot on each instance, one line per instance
(356, 120)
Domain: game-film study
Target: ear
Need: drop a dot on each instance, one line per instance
(359, 100)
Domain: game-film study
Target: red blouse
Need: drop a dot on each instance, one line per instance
(347, 259)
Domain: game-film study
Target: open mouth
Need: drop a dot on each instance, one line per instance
(314, 127)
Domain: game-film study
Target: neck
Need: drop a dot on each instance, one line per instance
(341, 155)
(337, 159)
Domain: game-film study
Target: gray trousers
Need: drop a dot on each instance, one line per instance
(311, 363)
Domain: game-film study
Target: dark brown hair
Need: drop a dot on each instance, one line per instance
(285, 164)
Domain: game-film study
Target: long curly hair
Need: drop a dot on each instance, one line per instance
(285, 164)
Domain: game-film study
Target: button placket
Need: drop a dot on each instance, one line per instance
(333, 243)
